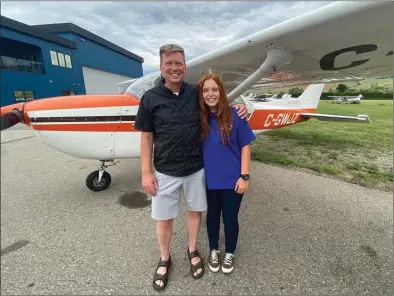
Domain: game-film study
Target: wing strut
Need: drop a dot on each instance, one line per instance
(276, 57)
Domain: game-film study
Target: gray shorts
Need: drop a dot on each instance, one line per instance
(167, 202)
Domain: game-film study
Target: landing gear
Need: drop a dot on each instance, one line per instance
(99, 180)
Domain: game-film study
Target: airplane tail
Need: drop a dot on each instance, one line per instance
(311, 96)
(309, 99)
(125, 84)
(248, 104)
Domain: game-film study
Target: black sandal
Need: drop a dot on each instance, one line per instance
(161, 277)
(194, 268)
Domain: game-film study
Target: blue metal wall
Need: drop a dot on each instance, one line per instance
(96, 56)
(58, 78)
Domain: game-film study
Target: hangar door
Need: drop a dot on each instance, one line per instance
(102, 82)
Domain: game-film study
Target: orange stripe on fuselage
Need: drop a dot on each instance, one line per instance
(272, 119)
(87, 127)
(83, 101)
(72, 102)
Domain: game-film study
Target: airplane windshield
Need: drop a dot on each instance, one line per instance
(141, 85)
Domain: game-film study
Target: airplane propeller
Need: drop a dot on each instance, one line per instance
(10, 119)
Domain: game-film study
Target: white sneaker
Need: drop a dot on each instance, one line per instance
(228, 263)
(213, 260)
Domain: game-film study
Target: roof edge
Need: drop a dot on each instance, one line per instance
(70, 27)
(36, 32)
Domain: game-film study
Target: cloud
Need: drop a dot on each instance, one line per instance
(141, 27)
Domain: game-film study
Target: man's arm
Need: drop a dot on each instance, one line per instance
(143, 122)
(149, 182)
(146, 152)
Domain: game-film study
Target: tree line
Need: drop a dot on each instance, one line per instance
(373, 92)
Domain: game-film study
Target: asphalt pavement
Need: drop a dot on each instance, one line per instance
(299, 233)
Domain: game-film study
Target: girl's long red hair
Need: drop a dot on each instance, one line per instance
(224, 113)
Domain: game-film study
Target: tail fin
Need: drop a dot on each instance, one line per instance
(311, 96)
(125, 84)
(248, 104)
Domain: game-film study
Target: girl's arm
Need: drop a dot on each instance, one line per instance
(242, 185)
(245, 136)
(245, 159)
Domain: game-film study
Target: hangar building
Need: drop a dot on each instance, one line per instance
(60, 59)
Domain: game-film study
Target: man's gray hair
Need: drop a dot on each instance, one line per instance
(166, 48)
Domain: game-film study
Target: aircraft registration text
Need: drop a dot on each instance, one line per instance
(280, 119)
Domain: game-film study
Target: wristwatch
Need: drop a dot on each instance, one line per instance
(245, 177)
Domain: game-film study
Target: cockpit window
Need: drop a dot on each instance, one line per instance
(138, 87)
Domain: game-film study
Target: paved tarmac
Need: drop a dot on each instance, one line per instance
(299, 233)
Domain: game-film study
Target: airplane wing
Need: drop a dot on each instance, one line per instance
(343, 41)
(329, 117)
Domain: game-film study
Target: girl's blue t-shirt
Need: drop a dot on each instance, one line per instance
(222, 162)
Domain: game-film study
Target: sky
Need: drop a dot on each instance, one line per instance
(141, 27)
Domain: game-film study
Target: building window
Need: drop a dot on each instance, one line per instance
(68, 92)
(62, 63)
(20, 65)
(19, 95)
(29, 95)
(9, 63)
(68, 61)
(60, 59)
(23, 95)
(54, 58)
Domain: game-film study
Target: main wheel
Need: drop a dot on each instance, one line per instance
(93, 184)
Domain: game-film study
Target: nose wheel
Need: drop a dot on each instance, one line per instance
(100, 180)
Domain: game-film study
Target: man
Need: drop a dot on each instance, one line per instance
(169, 118)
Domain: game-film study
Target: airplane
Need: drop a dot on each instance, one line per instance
(265, 97)
(286, 96)
(332, 43)
(348, 99)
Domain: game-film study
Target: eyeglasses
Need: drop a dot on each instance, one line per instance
(173, 47)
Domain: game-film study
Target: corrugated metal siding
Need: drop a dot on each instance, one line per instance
(87, 54)
(62, 78)
(96, 56)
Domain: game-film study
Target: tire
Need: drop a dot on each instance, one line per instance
(92, 178)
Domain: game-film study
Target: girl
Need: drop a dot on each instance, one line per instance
(225, 141)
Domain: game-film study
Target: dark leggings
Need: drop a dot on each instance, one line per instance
(226, 202)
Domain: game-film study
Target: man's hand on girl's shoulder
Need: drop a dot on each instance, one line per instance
(242, 111)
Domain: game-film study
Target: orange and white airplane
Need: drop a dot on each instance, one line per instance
(339, 42)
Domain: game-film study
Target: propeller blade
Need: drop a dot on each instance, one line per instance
(10, 119)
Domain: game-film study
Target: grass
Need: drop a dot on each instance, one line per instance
(355, 152)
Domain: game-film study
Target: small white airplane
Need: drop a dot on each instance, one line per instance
(333, 43)
(265, 97)
(286, 96)
(348, 99)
